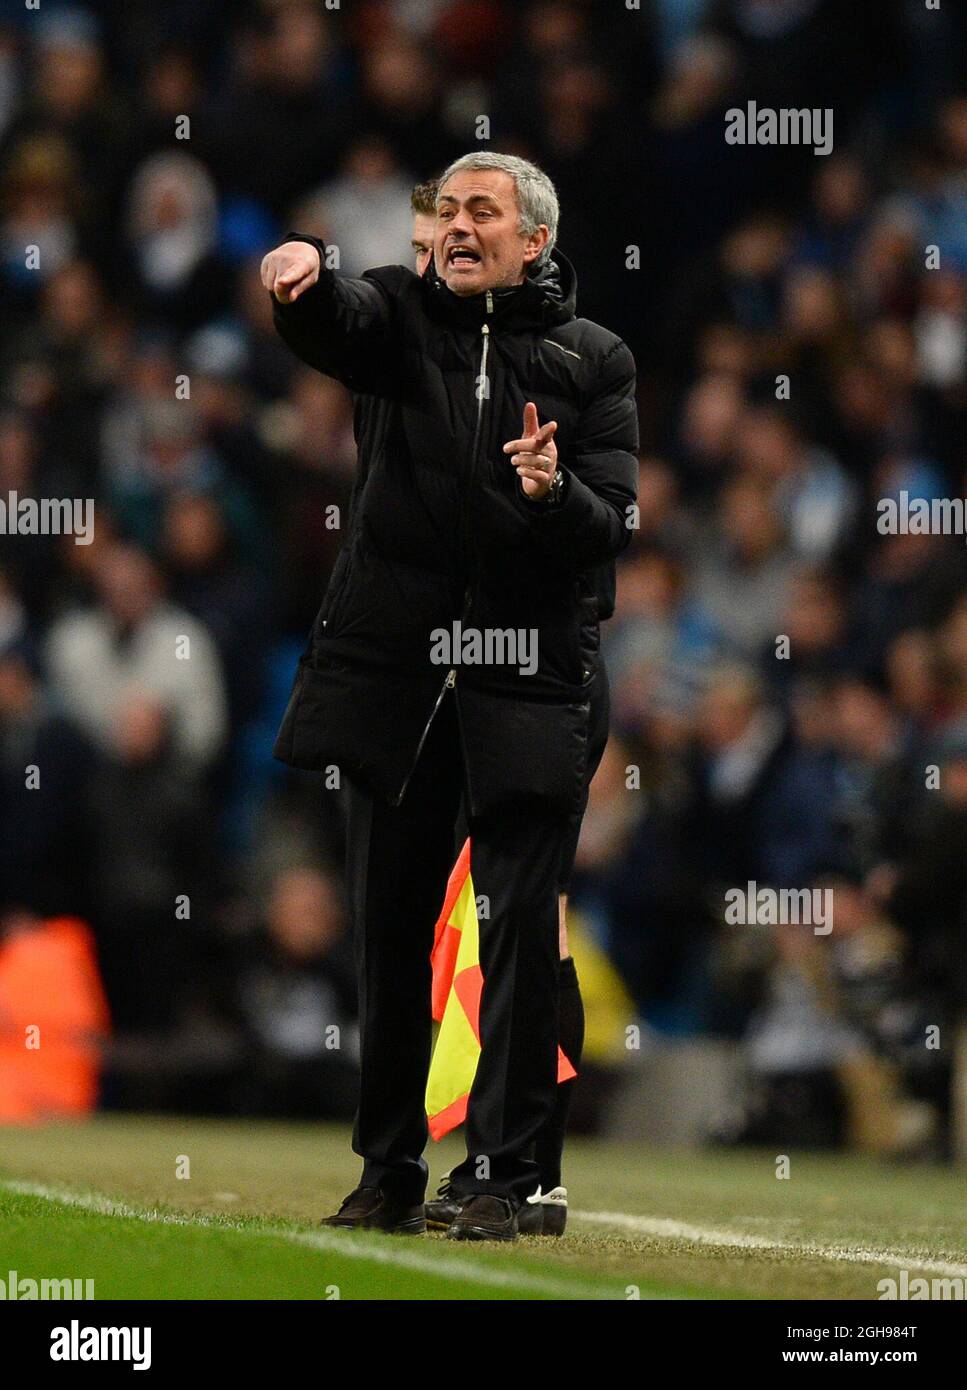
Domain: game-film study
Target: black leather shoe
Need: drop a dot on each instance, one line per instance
(370, 1209)
(482, 1217)
(443, 1208)
(440, 1212)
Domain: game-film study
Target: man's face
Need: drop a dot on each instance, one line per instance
(424, 225)
(476, 242)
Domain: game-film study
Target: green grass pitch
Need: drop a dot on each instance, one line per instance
(101, 1200)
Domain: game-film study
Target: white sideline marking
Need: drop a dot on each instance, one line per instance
(445, 1266)
(450, 1267)
(706, 1235)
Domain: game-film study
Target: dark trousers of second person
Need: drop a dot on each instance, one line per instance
(398, 861)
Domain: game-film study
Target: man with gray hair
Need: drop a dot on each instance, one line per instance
(499, 470)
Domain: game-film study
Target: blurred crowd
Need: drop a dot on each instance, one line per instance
(139, 367)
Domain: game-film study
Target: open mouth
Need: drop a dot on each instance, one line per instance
(462, 256)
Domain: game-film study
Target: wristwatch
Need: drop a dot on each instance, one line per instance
(553, 494)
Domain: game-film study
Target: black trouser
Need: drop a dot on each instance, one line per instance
(598, 720)
(599, 696)
(398, 861)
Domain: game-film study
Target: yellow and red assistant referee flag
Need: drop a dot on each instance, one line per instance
(457, 983)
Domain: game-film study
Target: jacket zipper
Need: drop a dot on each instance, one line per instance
(483, 394)
(483, 390)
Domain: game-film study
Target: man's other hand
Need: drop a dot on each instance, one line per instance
(290, 270)
(535, 455)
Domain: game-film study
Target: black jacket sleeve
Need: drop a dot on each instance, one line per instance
(343, 327)
(594, 520)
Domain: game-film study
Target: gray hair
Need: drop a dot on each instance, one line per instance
(536, 195)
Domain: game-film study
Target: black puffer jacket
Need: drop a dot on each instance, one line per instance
(440, 529)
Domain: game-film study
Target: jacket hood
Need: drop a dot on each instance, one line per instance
(548, 296)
